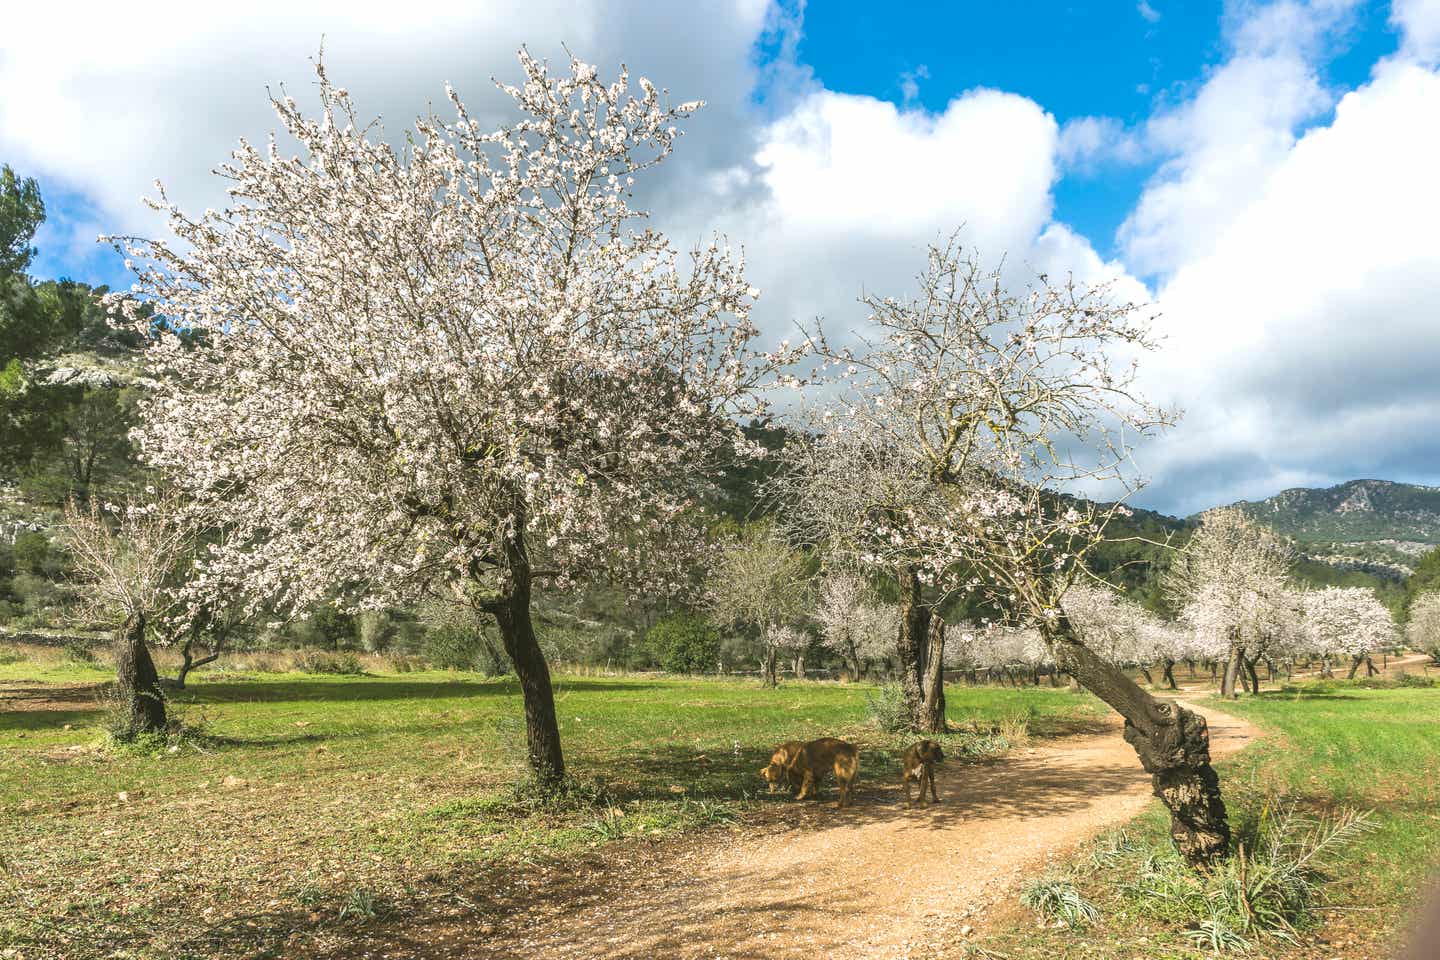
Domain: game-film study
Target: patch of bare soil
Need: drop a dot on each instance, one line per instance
(874, 880)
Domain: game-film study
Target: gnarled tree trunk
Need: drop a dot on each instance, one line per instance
(910, 647)
(1173, 745)
(136, 681)
(932, 719)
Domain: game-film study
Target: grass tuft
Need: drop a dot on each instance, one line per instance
(1058, 900)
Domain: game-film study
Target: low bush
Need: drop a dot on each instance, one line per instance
(320, 661)
(886, 709)
(453, 647)
(79, 653)
(405, 663)
(684, 643)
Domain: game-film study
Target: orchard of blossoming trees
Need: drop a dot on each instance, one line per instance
(465, 370)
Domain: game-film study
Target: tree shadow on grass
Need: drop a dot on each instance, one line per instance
(355, 689)
(28, 721)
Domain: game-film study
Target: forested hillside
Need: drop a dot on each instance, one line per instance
(1360, 511)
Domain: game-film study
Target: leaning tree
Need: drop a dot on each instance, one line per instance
(1004, 403)
(462, 356)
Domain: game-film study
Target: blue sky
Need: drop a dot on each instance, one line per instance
(1075, 59)
(1259, 173)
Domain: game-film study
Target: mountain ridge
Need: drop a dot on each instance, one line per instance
(1403, 518)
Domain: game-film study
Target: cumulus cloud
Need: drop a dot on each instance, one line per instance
(1226, 139)
(851, 189)
(130, 98)
(1419, 23)
(1090, 142)
(1303, 337)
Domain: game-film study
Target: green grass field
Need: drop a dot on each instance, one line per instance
(304, 797)
(1330, 746)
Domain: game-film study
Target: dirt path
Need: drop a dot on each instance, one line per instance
(875, 880)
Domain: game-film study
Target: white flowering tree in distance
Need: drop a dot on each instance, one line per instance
(1422, 630)
(985, 404)
(1231, 585)
(854, 624)
(1348, 622)
(759, 582)
(458, 364)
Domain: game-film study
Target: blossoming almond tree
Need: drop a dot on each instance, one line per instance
(1422, 630)
(1002, 402)
(1349, 622)
(853, 622)
(836, 485)
(459, 366)
(1229, 582)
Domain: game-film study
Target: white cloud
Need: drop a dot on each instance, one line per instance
(1149, 13)
(1419, 22)
(1303, 338)
(1296, 269)
(131, 97)
(1090, 142)
(848, 191)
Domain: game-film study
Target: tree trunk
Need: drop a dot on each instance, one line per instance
(1354, 667)
(1172, 742)
(1232, 671)
(1325, 672)
(1146, 672)
(799, 666)
(1254, 677)
(187, 656)
(1170, 675)
(517, 633)
(932, 719)
(910, 647)
(136, 680)
(768, 667)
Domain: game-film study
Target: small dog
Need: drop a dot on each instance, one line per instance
(779, 766)
(918, 765)
(826, 755)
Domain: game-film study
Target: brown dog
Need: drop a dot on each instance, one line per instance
(826, 755)
(918, 765)
(779, 766)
